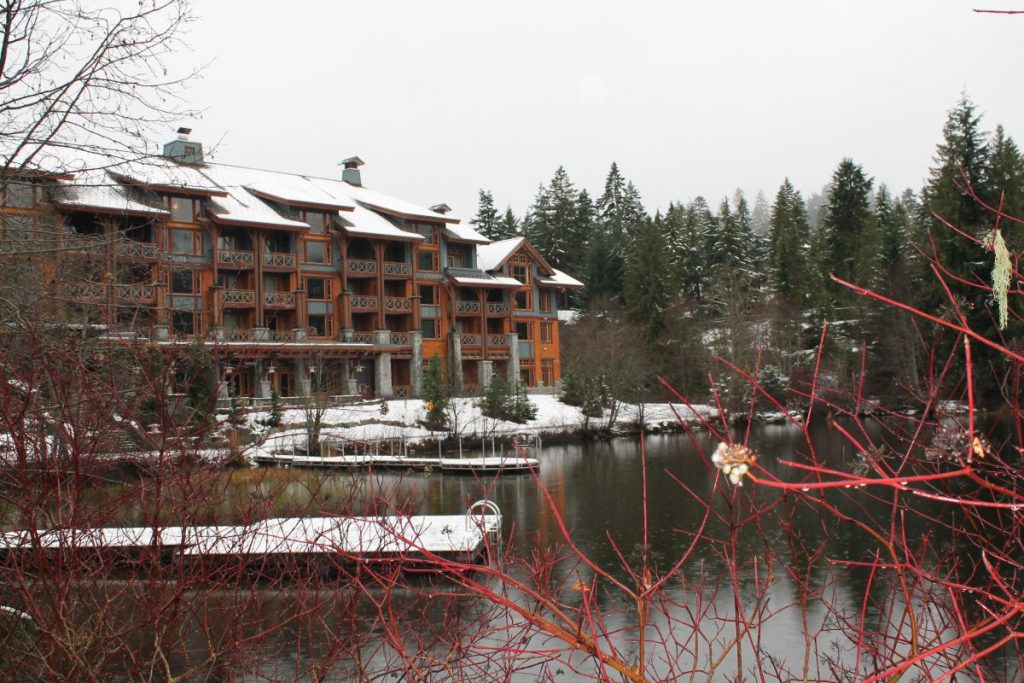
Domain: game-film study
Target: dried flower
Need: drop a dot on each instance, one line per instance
(734, 460)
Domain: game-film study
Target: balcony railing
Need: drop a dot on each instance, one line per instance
(138, 250)
(236, 257)
(362, 266)
(276, 336)
(470, 339)
(494, 308)
(364, 337)
(238, 335)
(397, 268)
(86, 291)
(467, 306)
(362, 302)
(396, 304)
(400, 339)
(496, 340)
(138, 293)
(279, 259)
(237, 297)
(279, 298)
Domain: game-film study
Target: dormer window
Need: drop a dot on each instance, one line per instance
(182, 209)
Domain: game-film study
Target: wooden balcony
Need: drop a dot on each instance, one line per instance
(400, 339)
(237, 298)
(363, 303)
(397, 304)
(397, 269)
(135, 293)
(467, 307)
(236, 258)
(497, 308)
(359, 267)
(364, 337)
(497, 341)
(279, 299)
(470, 339)
(87, 292)
(278, 259)
(140, 251)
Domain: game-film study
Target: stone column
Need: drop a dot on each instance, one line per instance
(260, 333)
(455, 361)
(262, 381)
(300, 334)
(416, 364)
(302, 379)
(485, 370)
(513, 359)
(382, 367)
(161, 332)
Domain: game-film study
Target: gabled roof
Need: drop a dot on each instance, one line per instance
(390, 205)
(365, 223)
(496, 254)
(161, 173)
(464, 233)
(560, 279)
(285, 188)
(97, 192)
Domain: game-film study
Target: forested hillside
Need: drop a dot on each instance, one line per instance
(754, 280)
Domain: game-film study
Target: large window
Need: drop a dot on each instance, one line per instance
(317, 251)
(428, 295)
(321, 326)
(547, 372)
(317, 222)
(525, 331)
(318, 288)
(544, 301)
(519, 268)
(186, 242)
(428, 261)
(183, 282)
(182, 209)
(185, 323)
(523, 300)
(430, 328)
(547, 333)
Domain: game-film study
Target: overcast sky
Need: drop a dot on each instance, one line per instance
(441, 98)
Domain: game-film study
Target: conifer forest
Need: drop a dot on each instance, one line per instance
(753, 279)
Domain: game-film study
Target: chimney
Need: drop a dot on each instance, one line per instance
(350, 174)
(184, 150)
(441, 208)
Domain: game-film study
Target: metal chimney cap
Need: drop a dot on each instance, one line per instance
(440, 208)
(353, 162)
(183, 133)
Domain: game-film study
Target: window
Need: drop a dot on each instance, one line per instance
(523, 300)
(186, 242)
(427, 231)
(547, 333)
(317, 251)
(526, 374)
(316, 222)
(525, 331)
(429, 327)
(519, 268)
(547, 372)
(457, 257)
(544, 301)
(19, 195)
(428, 295)
(428, 261)
(318, 288)
(321, 326)
(183, 282)
(184, 323)
(182, 209)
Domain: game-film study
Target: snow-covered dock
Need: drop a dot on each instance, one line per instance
(503, 464)
(336, 540)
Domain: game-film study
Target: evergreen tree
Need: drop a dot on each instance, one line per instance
(847, 235)
(508, 226)
(648, 293)
(619, 213)
(486, 220)
(437, 393)
(788, 237)
(761, 216)
(1006, 177)
(694, 261)
(554, 227)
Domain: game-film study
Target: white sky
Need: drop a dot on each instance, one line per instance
(443, 97)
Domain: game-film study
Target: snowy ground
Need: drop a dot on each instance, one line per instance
(367, 422)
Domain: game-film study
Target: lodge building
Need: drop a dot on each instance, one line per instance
(294, 282)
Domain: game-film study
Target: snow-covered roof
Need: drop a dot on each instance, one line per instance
(287, 188)
(463, 232)
(365, 223)
(161, 172)
(484, 280)
(493, 256)
(96, 191)
(559, 279)
(391, 205)
(240, 206)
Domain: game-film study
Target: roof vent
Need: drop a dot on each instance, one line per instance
(184, 150)
(350, 173)
(440, 208)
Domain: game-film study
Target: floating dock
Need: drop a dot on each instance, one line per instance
(273, 545)
(510, 464)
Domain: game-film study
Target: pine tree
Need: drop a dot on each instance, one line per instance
(648, 293)
(486, 220)
(761, 216)
(437, 394)
(620, 212)
(554, 227)
(788, 237)
(847, 231)
(508, 226)
(697, 231)
(1006, 177)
